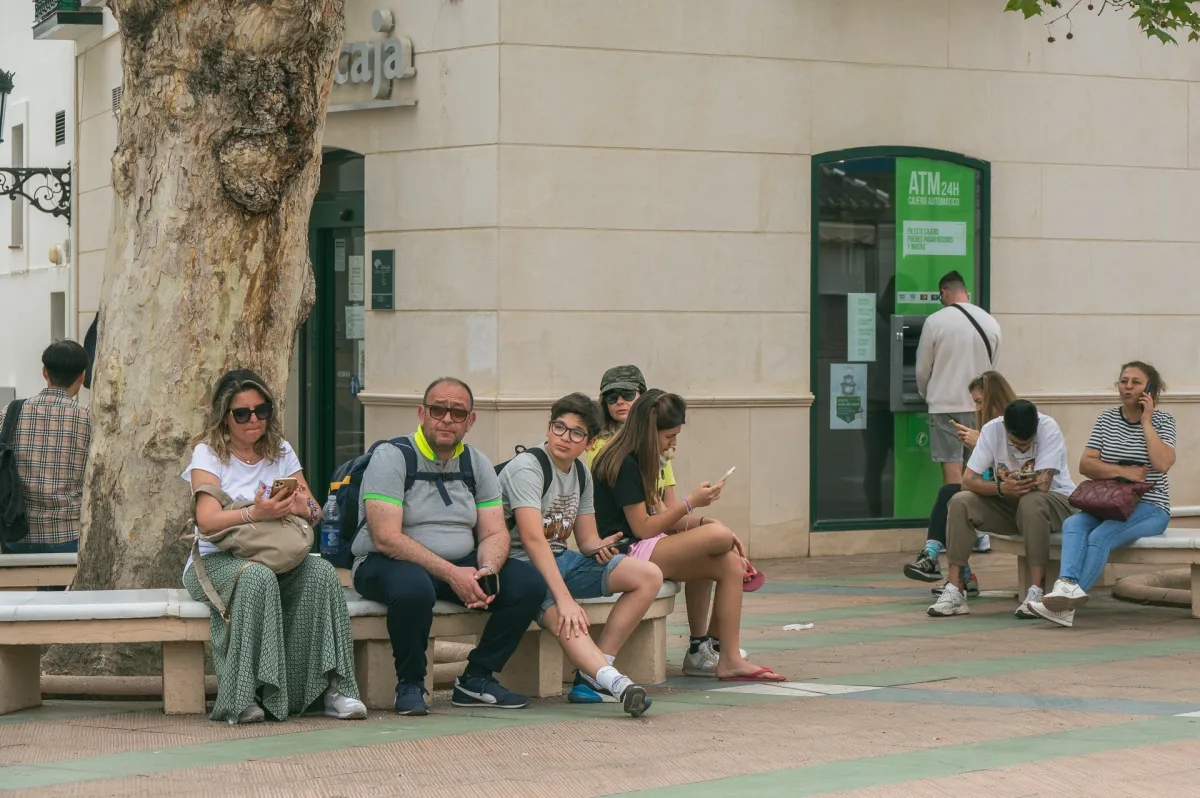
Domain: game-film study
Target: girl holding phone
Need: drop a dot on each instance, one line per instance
(686, 547)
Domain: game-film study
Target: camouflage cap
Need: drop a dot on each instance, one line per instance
(623, 377)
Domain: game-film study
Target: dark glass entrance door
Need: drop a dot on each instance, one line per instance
(334, 339)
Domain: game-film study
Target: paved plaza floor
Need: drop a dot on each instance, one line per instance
(883, 701)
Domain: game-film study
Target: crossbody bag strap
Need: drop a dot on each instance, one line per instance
(986, 343)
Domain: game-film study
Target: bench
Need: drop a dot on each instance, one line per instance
(171, 617)
(26, 571)
(1175, 547)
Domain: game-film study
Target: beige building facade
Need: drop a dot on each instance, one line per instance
(585, 183)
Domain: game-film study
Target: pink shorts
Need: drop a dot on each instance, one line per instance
(644, 548)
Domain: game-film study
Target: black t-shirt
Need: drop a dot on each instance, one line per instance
(611, 500)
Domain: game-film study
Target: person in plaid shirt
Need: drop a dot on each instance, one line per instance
(51, 445)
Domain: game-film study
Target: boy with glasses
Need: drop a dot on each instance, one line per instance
(1028, 496)
(435, 530)
(548, 497)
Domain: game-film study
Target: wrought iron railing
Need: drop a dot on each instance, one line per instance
(44, 8)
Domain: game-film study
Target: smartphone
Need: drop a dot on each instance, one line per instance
(490, 583)
(285, 483)
(725, 477)
(625, 541)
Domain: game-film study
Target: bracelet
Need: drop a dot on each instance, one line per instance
(1000, 489)
(688, 504)
(488, 568)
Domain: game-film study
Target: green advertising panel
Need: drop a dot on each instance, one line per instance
(935, 234)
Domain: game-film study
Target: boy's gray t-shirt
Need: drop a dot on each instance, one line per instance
(448, 532)
(521, 486)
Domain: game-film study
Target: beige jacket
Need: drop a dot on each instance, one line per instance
(951, 354)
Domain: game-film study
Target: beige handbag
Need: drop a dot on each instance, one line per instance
(281, 544)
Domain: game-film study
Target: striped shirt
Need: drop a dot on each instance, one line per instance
(1119, 440)
(51, 446)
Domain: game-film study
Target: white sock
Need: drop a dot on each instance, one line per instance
(610, 679)
(611, 659)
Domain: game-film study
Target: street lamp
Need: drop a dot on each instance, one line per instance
(6, 87)
(47, 188)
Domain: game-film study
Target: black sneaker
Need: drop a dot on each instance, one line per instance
(410, 699)
(481, 692)
(924, 568)
(634, 700)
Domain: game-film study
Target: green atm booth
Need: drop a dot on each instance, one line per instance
(887, 224)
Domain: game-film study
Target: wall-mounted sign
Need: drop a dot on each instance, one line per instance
(383, 279)
(376, 63)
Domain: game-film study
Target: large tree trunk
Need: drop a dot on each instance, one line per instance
(207, 267)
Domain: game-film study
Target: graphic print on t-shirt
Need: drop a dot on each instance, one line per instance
(558, 522)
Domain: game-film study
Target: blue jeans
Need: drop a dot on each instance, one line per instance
(585, 578)
(1087, 541)
(21, 547)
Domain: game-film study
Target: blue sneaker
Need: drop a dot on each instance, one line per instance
(586, 691)
(481, 692)
(410, 699)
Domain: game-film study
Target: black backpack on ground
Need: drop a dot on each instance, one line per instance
(346, 485)
(14, 523)
(581, 471)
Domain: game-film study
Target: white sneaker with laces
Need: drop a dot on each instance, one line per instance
(343, 707)
(703, 661)
(983, 544)
(950, 602)
(1065, 596)
(1034, 594)
(1063, 618)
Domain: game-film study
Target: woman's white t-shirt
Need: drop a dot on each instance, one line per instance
(241, 481)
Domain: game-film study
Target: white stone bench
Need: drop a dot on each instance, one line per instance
(1174, 547)
(171, 617)
(25, 571)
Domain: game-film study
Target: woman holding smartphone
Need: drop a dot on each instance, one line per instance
(288, 643)
(991, 393)
(686, 547)
(1133, 442)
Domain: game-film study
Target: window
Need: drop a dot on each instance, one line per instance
(58, 316)
(887, 224)
(60, 128)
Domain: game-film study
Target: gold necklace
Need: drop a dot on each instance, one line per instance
(251, 460)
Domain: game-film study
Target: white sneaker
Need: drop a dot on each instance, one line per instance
(950, 602)
(252, 714)
(983, 544)
(1065, 596)
(343, 707)
(1034, 594)
(701, 662)
(1064, 618)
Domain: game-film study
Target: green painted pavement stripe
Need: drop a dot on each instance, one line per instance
(865, 772)
(1002, 666)
(350, 735)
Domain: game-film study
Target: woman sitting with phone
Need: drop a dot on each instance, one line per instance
(1135, 443)
(991, 394)
(288, 643)
(686, 547)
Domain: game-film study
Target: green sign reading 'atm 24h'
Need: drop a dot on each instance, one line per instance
(935, 234)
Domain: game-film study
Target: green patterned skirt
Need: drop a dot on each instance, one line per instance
(289, 636)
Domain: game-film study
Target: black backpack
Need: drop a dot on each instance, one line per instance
(581, 471)
(14, 523)
(347, 482)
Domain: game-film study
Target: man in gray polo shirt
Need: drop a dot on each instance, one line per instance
(443, 538)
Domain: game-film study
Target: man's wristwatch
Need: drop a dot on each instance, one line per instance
(489, 568)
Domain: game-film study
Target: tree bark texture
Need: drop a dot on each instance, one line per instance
(207, 268)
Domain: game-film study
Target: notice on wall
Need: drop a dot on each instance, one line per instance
(355, 322)
(935, 222)
(339, 254)
(360, 357)
(860, 327)
(357, 279)
(383, 279)
(847, 392)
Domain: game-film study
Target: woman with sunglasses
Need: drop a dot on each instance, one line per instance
(685, 546)
(289, 640)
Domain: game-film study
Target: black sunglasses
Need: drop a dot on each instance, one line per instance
(242, 414)
(457, 414)
(611, 397)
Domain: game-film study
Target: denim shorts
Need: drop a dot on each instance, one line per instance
(585, 578)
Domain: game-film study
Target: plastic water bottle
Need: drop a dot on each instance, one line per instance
(331, 529)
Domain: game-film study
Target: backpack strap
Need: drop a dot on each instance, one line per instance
(10, 420)
(581, 473)
(466, 470)
(543, 459)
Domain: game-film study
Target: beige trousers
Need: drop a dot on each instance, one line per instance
(1035, 516)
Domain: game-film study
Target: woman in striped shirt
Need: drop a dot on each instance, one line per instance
(1135, 441)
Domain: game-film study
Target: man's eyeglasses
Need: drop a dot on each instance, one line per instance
(611, 397)
(457, 414)
(242, 414)
(562, 430)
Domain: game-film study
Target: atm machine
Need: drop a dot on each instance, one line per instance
(917, 478)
